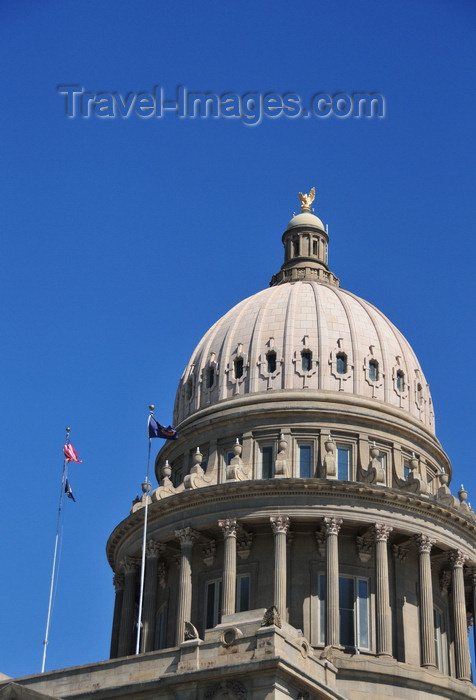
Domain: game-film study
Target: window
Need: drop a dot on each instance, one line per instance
(242, 592)
(354, 611)
(296, 247)
(210, 377)
(400, 381)
(373, 370)
(305, 461)
(267, 461)
(406, 469)
(343, 462)
(341, 363)
(238, 367)
(314, 247)
(306, 360)
(441, 656)
(189, 389)
(213, 604)
(419, 393)
(160, 627)
(271, 361)
(228, 457)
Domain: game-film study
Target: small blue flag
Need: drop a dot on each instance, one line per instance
(156, 430)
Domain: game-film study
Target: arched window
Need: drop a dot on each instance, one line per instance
(341, 363)
(210, 377)
(400, 380)
(306, 360)
(271, 361)
(238, 363)
(373, 370)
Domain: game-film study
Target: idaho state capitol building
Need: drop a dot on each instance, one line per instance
(303, 542)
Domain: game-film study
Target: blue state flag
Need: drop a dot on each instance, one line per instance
(156, 430)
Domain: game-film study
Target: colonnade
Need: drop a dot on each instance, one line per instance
(125, 580)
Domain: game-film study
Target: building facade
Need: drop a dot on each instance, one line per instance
(303, 541)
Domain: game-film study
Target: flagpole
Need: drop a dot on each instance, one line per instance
(55, 554)
(146, 486)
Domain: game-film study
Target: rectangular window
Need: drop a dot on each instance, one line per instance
(160, 627)
(354, 612)
(440, 642)
(267, 461)
(242, 592)
(406, 470)
(343, 462)
(305, 461)
(213, 604)
(228, 457)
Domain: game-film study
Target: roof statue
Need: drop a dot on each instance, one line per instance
(307, 199)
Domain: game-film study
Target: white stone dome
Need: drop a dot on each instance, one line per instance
(305, 218)
(305, 335)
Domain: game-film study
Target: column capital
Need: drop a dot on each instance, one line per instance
(229, 527)
(473, 575)
(382, 532)
(332, 525)
(154, 548)
(457, 558)
(424, 543)
(186, 536)
(129, 565)
(280, 524)
(118, 581)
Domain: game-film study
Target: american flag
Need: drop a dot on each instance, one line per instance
(70, 453)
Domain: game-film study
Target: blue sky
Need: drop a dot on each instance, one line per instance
(125, 239)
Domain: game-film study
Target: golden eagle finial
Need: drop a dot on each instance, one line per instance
(307, 199)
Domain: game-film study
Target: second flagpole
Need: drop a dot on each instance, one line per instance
(146, 488)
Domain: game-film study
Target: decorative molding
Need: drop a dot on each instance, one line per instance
(445, 581)
(244, 541)
(365, 546)
(281, 461)
(271, 617)
(400, 552)
(209, 550)
(321, 541)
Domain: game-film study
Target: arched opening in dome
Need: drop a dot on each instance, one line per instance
(238, 365)
(210, 377)
(271, 361)
(306, 360)
(419, 393)
(341, 363)
(400, 380)
(373, 370)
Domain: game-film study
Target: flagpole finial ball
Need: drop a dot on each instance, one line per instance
(68, 429)
(151, 407)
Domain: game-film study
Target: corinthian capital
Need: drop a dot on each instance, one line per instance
(332, 526)
(280, 524)
(382, 532)
(424, 543)
(129, 565)
(228, 526)
(457, 558)
(186, 536)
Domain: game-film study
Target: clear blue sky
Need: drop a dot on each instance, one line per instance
(125, 239)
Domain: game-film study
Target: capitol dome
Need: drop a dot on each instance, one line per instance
(305, 335)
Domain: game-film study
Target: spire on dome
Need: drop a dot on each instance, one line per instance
(305, 247)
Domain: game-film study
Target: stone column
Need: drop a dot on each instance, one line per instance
(118, 581)
(463, 666)
(152, 553)
(427, 626)
(280, 526)
(186, 537)
(229, 566)
(382, 594)
(127, 626)
(332, 526)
